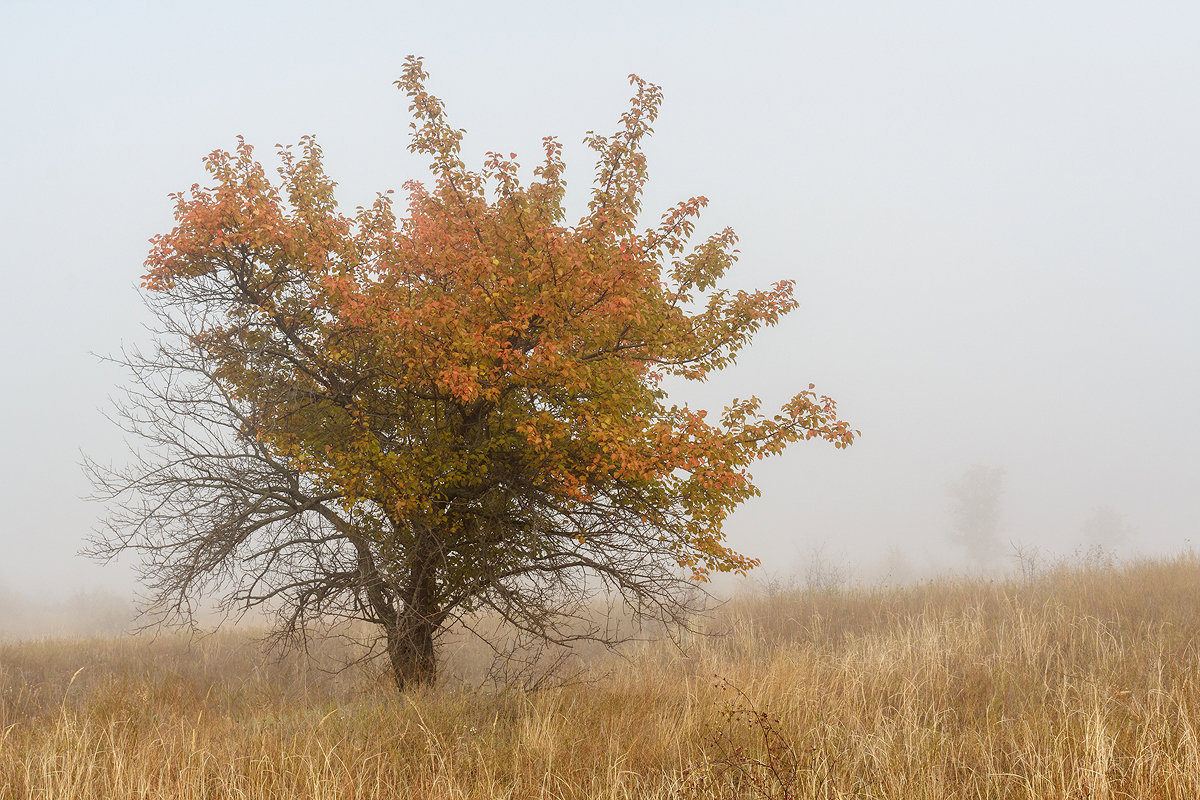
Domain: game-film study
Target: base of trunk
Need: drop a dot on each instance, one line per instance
(410, 649)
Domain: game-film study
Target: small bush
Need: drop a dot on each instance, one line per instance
(746, 754)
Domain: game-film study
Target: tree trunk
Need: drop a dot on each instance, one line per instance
(410, 648)
(410, 638)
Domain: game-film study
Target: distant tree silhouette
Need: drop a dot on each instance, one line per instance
(975, 511)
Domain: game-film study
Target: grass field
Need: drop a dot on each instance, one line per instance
(1080, 682)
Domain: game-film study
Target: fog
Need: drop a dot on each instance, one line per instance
(990, 214)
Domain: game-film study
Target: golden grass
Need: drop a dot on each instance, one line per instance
(1082, 683)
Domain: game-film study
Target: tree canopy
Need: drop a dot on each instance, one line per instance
(413, 420)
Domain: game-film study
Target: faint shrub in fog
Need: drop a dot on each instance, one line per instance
(1107, 528)
(774, 584)
(975, 514)
(1028, 559)
(822, 573)
(1095, 557)
(895, 568)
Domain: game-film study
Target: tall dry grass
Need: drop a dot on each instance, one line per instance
(1078, 683)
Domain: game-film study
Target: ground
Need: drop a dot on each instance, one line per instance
(1077, 682)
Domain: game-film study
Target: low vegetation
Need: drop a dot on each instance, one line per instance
(1076, 682)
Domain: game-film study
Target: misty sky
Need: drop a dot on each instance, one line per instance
(991, 212)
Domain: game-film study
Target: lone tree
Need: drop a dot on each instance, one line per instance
(420, 420)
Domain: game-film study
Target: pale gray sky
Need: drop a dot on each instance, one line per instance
(990, 210)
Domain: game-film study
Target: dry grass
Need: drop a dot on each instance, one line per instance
(1080, 683)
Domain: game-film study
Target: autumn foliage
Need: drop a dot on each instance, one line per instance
(466, 401)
